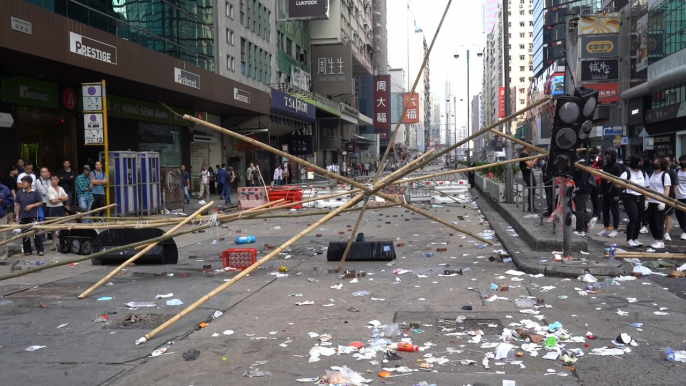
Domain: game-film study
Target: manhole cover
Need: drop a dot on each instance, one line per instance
(138, 321)
(50, 291)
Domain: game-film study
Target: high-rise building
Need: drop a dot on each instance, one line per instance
(490, 8)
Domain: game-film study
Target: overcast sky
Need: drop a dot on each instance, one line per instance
(462, 26)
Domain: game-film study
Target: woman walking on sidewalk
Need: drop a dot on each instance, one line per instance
(632, 200)
(659, 182)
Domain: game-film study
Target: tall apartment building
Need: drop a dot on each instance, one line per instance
(490, 8)
(247, 41)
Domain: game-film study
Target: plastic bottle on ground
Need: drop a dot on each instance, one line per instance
(669, 355)
(376, 334)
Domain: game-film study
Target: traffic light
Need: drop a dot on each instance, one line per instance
(571, 129)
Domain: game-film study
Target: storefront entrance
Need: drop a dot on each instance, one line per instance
(45, 137)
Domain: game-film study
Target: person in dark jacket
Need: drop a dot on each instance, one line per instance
(596, 162)
(472, 173)
(582, 190)
(67, 177)
(6, 205)
(610, 195)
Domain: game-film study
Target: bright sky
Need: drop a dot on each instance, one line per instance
(462, 26)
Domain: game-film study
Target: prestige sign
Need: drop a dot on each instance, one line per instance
(308, 9)
(186, 78)
(92, 48)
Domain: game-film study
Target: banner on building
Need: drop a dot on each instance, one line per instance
(411, 107)
(607, 92)
(382, 106)
(602, 23)
(330, 134)
(643, 42)
(300, 78)
(601, 69)
(501, 102)
(308, 9)
(599, 46)
(333, 67)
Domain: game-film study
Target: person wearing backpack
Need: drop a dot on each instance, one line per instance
(681, 194)
(632, 200)
(671, 170)
(610, 195)
(661, 183)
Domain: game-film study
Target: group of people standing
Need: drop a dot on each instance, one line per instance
(210, 183)
(26, 198)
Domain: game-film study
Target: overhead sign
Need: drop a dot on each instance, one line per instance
(501, 102)
(602, 23)
(29, 92)
(636, 111)
(186, 78)
(308, 9)
(94, 129)
(334, 69)
(290, 106)
(600, 46)
(91, 48)
(601, 69)
(412, 111)
(607, 92)
(382, 106)
(300, 78)
(6, 120)
(613, 130)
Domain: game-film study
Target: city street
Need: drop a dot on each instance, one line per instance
(262, 327)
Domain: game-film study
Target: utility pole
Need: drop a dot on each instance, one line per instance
(509, 194)
(570, 66)
(455, 132)
(469, 146)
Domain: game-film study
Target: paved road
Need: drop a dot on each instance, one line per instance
(268, 326)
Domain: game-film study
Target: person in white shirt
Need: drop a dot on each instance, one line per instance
(658, 182)
(204, 182)
(28, 171)
(632, 200)
(278, 175)
(56, 197)
(681, 195)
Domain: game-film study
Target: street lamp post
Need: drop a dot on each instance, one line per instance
(469, 144)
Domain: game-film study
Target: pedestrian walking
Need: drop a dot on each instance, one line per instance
(29, 203)
(84, 189)
(213, 182)
(659, 182)
(671, 170)
(289, 173)
(581, 191)
(303, 174)
(231, 178)
(610, 196)
(221, 180)
(57, 197)
(67, 177)
(681, 194)
(250, 175)
(632, 200)
(528, 176)
(471, 175)
(204, 182)
(99, 184)
(186, 185)
(278, 175)
(43, 184)
(11, 183)
(6, 207)
(596, 191)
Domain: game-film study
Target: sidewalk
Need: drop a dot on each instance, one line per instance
(531, 242)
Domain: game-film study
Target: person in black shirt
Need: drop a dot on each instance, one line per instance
(581, 192)
(528, 176)
(472, 173)
(11, 183)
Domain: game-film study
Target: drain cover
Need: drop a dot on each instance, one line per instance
(138, 321)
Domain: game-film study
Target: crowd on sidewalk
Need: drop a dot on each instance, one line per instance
(645, 214)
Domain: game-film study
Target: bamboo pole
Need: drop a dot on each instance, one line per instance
(142, 252)
(248, 270)
(35, 232)
(649, 255)
(353, 235)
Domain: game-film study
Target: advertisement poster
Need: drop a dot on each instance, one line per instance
(501, 102)
(382, 106)
(412, 111)
(642, 51)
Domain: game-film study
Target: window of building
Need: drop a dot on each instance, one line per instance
(521, 24)
(230, 63)
(521, 68)
(509, 24)
(531, 23)
(521, 90)
(521, 57)
(521, 34)
(521, 46)
(243, 56)
(531, 68)
(241, 7)
(521, 101)
(531, 34)
(531, 12)
(305, 57)
(289, 47)
(229, 10)
(521, 12)
(229, 37)
(521, 80)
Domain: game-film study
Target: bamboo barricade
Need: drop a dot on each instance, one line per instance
(248, 270)
(142, 252)
(61, 221)
(353, 235)
(648, 255)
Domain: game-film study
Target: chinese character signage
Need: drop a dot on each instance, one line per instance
(332, 71)
(607, 92)
(290, 106)
(301, 145)
(600, 46)
(411, 106)
(382, 106)
(501, 102)
(602, 69)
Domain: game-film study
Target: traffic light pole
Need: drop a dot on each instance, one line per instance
(509, 183)
(570, 64)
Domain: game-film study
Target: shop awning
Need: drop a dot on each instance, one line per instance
(365, 120)
(361, 139)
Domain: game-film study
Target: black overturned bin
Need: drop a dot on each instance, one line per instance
(362, 251)
(165, 252)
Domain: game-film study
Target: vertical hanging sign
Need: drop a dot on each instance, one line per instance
(382, 106)
(93, 109)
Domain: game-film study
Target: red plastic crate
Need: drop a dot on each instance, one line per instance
(239, 258)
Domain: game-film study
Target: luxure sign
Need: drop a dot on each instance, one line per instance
(91, 48)
(186, 78)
